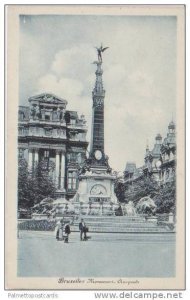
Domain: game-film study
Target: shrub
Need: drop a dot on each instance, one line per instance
(37, 225)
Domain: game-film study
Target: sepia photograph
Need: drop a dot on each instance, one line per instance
(95, 185)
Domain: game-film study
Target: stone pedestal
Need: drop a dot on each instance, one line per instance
(95, 195)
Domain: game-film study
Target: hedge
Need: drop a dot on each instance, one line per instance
(38, 225)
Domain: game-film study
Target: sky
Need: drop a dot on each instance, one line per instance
(56, 56)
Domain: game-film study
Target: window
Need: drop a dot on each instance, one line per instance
(20, 130)
(48, 131)
(72, 157)
(47, 115)
(72, 121)
(72, 180)
(46, 154)
(21, 115)
(21, 153)
(26, 131)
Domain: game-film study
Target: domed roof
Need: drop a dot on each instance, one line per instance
(130, 167)
(171, 125)
(158, 137)
(156, 150)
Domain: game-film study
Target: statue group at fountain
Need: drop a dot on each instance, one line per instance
(129, 209)
(95, 209)
(105, 209)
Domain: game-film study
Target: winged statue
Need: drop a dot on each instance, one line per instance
(100, 50)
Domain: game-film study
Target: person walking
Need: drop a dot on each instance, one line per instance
(67, 231)
(83, 230)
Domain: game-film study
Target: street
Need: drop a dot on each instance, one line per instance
(104, 255)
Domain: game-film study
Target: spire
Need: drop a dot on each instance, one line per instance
(98, 90)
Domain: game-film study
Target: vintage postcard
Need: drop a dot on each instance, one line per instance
(95, 139)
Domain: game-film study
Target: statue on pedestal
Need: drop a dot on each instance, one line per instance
(100, 50)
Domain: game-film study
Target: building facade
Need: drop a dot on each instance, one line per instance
(51, 134)
(152, 159)
(160, 162)
(168, 155)
(132, 174)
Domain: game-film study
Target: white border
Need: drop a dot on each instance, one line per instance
(85, 294)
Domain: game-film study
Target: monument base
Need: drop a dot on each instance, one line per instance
(95, 195)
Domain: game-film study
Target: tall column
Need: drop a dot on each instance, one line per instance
(36, 156)
(30, 159)
(63, 170)
(98, 95)
(57, 168)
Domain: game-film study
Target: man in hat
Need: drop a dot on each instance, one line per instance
(67, 231)
(83, 230)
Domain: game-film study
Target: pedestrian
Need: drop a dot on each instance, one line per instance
(83, 230)
(59, 230)
(67, 231)
(57, 226)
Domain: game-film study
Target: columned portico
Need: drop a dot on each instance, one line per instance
(62, 170)
(57, 168)
(30, 159)
(36, 156)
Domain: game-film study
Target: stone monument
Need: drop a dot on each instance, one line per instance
(95, 195)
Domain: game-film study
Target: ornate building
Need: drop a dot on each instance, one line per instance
(152, 159)
(50, 134)
(168, 155)
(160, 162)
(132, 173)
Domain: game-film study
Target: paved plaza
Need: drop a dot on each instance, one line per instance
(104, 255)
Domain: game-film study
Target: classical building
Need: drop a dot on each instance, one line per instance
(96, 181)
(49, 133)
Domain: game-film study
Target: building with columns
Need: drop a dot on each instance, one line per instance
(56, 137)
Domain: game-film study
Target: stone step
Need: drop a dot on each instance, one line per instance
(89, 217)
(114, 220)
(108, 224)
(137, 237)
(126, 229)
(122, 224)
